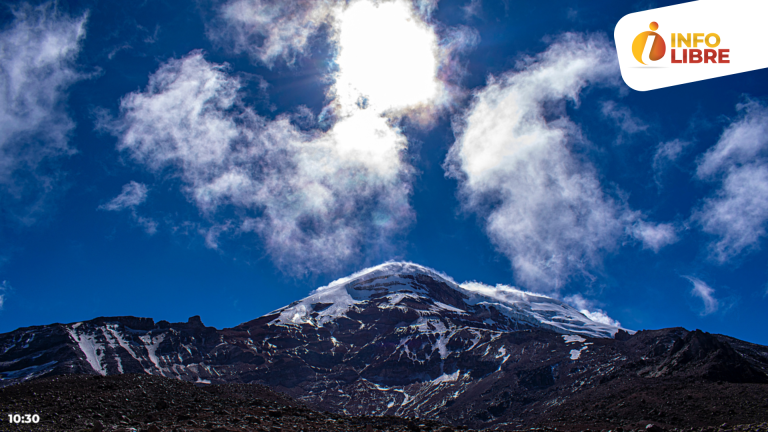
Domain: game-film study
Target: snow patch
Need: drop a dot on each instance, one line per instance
(94, 351)
(573, 338)
(575, 354)
(151, 344)
(444, 378)
(450, 308)
(112, 329)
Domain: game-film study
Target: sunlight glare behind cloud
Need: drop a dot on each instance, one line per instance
(386, 55)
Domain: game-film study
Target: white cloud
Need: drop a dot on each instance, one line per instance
(149, 225)
(132, 195)
(666, 154)
(595, 314)
(473, 9)
(706, 294)
(316, 198)
(653, 236)
(37, 53)
(212, 234)
(269, 30)
(741, 142)
(5, 288)
(600, 316)
(737, 212)
(544, 208)
(426, 7)
(454, 42)
(622, 118)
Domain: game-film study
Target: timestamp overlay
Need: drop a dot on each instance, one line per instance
(23, 418)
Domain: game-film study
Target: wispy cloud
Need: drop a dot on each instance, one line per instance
(622, 117)
(37, 54)
(132, 195)
(544, 208)
(473, 9)
(269, 30)
(572, 14)
(316, 198)
(741, 142)
(5, 288)
(454, 43)
(653, 236)
(737, 212)
(588, 308)
(667, 153)
(426, 7)
(706, 294)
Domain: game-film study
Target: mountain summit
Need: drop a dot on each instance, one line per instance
(407, 287)
(401, 339)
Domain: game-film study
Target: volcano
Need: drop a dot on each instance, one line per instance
(403, 340)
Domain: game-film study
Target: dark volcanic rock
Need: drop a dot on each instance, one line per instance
(126, 403)
(129, 403)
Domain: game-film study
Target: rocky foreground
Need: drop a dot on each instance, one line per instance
(152, 404)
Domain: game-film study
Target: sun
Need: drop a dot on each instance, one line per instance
(387, 57)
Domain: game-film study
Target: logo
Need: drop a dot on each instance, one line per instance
(696, 55)
(658, 47)
(692, 41)
(652, 40)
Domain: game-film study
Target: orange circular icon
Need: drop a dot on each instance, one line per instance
(658, 49)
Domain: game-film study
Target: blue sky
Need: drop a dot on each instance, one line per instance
(224, 158)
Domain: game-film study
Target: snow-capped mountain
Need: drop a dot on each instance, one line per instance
(430, 293)
(396, 339)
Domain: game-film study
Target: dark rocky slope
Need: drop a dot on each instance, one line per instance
(146, 403)
(151, 403)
